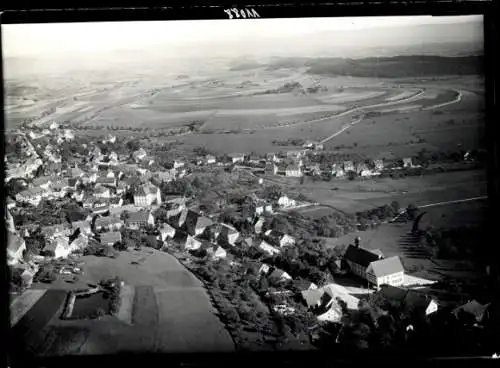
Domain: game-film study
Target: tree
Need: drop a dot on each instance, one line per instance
(411, 211)
(395, 206)
(133, 145)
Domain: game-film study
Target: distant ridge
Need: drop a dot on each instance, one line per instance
(387, 67)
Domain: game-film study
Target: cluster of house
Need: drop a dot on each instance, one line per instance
(293, 163)
(293, 166)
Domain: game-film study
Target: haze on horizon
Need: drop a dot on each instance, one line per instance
(70, 45)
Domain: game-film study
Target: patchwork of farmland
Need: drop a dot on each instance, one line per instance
(170, 308)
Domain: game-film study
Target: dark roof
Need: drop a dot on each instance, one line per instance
(106, 221)
(473, 307)
(360, 256)
(141, 216)
(406, 297)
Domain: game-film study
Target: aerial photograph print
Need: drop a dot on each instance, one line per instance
(309, 184)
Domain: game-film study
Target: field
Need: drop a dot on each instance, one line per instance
(359, 195)
(169, 310)
(23, 303)
(419, 112)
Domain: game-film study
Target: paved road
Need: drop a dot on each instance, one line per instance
(453, 202)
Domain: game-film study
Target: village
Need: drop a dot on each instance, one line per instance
(121, 201)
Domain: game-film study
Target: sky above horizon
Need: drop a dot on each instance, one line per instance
(227, 37)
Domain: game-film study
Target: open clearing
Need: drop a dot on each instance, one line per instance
(359, 195)
(170, 309)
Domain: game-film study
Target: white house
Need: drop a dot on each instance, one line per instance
(279, 239)
(191, 243)
(109, 139)
(285, 202)
(178, 164)
(272, 157)
(374, 268)
(258, 225)
(102, 192)
(279, 275)
(146, 195)
(268, 248)
(237, 157)
(68, 135)
(362, 170)
(218, 253)
(59, 248)
(378, 164)
(166, 231)
(348, 166)
(15, 249)
(139, 155)
(294, 170)
(32, 196)
(407, 162)
(228, 234)
(210, 159)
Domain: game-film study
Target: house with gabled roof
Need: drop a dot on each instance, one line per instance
(139, 155)
(295, 154)
(259, 225)
(43, 182)
(102, 192)
(106, 181)
(59, 248)
(166, 232)
(32, 196)
(302, 285)
(314, 298)
(267, 248)
(407, 162)
(165, 176)
(373, 267)
(279, 275)
(363, 170)
(237, 157)
(137, 220)
(409, 300)
(108, 223)
(110, 238)
(195, 223)
(16, 246)
(186, 241)
(474, 308)
(53, 231)
(378, 165)
(216, 252)
(271, 168)
(83, 226)
(279, 239)
(210, 159)
(348, 166)
(284, 201)
(294, 170)
(228, 235)
(146, 195)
